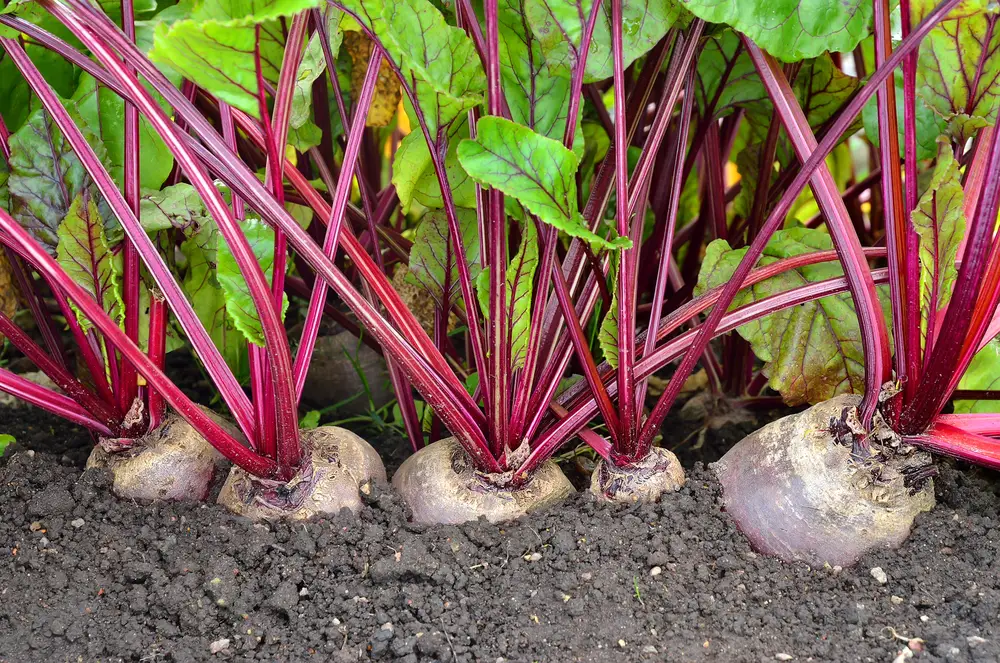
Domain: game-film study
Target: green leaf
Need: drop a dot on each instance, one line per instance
(811, 352)
(929, 124)
(939, 220)
(538, 171)
(559, 27)
(46, 177)
(958, 71)
(791, 30)
(414, 177)
(104, 113)
(726, 77)
(84, 254)
(57, 71)
(983, 373)
(310, 420)
(607, 336)
(520, 279)
(5, 441)
(215, 47)
(313, 66)
(438, 60)
(239, 305)
(201, 285)
(519, 291)
(15, 94)
(178, 207)
(432, 257)
(538, 97)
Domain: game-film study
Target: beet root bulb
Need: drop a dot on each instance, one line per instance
(171, 462)
(440, 485)
(646, 481)
(797, 488)
(337, 467)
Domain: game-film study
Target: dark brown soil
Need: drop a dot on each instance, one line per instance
(86, 577)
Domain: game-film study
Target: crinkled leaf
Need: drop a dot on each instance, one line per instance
(559, 26)
(432, 257)
(538, 171)
(519, 291)
(215, 47)
(46, 176)
(958, 73)
(939, 220)
(104, 113)
(239, 304)
(414, 176)
(84, 254)
(208, 299)
(791, 30)
(178, 206)
(812, 351)
(438, 60)
(983, 374)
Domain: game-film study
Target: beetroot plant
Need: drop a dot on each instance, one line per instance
(557, 198)
(85, 229)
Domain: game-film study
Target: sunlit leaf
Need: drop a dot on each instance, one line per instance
(538, 171)
(215, 47)
(791, 30)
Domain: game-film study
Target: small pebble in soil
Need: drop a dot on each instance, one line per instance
(622, 643)
(78, 523)
(781, 656)
(533, 557)
(896, 600)
(879, 575)
(655, 571)
(219, 645)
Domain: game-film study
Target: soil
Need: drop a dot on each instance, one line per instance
(86, 577)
